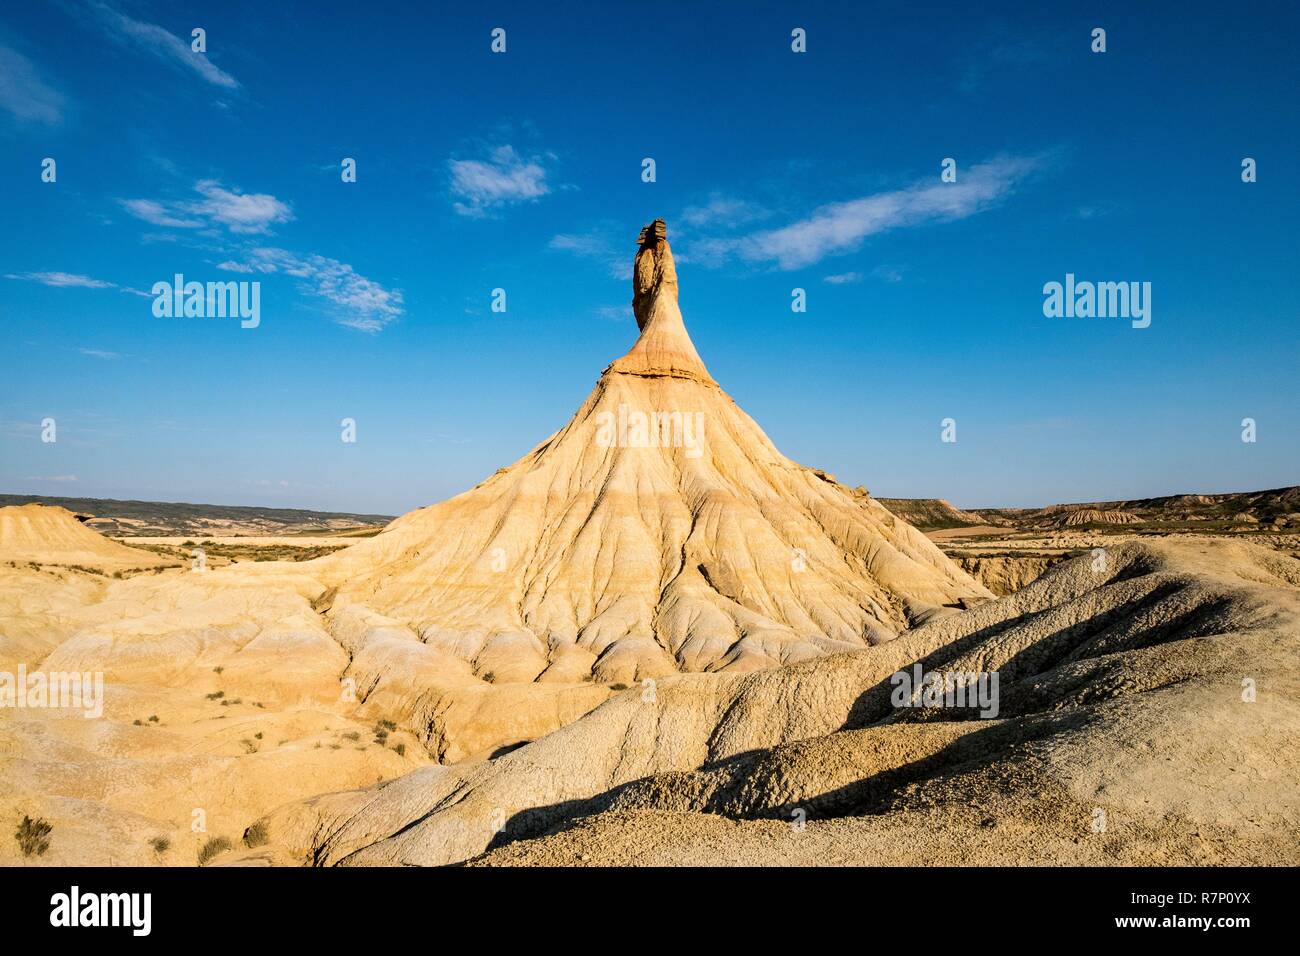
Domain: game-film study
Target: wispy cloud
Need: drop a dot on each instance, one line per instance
(101, 354)
(50, 478)
(844, 278)
(61, 279)
(722, 209)
(64, 280)
(1007, 59)
(614, 313)
(362, 303)
(237, 212)
(163, 44)
(1094, 210)
(23, 93)
(155, 212)
(841, 227)
(598, 244)
(505, 177)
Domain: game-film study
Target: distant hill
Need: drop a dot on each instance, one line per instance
(935, 514)
(1274, 508)
(167, 518)
(1278, 508)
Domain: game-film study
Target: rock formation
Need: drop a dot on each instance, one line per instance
(659, 530)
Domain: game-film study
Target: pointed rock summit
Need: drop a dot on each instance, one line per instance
(659, 530)
(663, 348)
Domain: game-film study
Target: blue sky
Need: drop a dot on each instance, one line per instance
(522, 171)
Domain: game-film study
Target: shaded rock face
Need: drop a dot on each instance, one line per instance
(659, 530)
(1002, 574)
(652, 272)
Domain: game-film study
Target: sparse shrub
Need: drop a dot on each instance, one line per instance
(216, 695)
(160, 844)
(138, 722)
(153, 718)
(258, 735)
(385, 725)
(217, 670)
(255, 835)
(336, 746)
(214, 847)
(352, 735)
(249, 746)
(619, 686)
(399, 749)
(33, 836)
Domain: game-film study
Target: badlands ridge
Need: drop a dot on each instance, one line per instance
(649, 641)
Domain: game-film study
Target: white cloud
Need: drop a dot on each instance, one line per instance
(158, 214)
(596, 244)
(364, 303)
(100, 354)
(238, 212)
(62, 279)
(50, 478)
(506, 177)
(163, 44)
(724, 210)
(23, 93)
(840, 227)
(844, 278)
(71, 280)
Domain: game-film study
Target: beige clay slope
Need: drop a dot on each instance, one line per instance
(590, 556)
(45, 535)
(1121, 691)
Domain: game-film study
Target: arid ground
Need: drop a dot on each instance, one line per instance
(656, 640)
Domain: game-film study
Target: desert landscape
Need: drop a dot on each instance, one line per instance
(653, 640)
